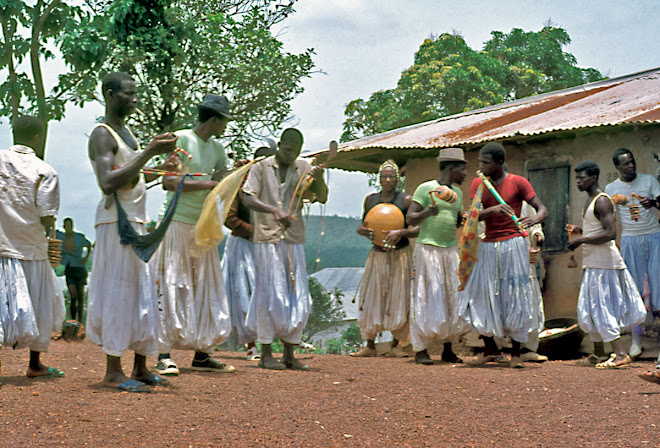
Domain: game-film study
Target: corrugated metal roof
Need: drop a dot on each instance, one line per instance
(347, 280)
(630, 99)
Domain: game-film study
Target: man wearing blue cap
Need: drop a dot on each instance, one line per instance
(194, 309)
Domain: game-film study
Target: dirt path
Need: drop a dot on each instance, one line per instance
(342, 402)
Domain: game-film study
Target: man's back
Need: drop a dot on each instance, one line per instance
(30, 191)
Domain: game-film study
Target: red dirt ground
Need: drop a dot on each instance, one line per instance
(342, 401)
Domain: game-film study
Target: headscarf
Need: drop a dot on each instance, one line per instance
(390, 164)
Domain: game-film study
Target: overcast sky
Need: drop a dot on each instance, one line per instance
(363, 46)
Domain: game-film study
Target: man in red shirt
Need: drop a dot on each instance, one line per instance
(497, 299)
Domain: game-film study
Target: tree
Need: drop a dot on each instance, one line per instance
(352, 338)
(179, 50)
(448, 77)
(326, 308)
(30, 30)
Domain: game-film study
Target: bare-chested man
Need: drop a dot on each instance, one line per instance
(123, 306)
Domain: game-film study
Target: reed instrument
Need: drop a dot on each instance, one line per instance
(307, 179)
(497, 196)
(54, 248)
(572, 263)
(634, 208)
(443, 193)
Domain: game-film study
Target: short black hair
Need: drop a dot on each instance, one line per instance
(588, 166)
(112, 81)
(25, 127)
(204, 114)
(620, 152)
(292, 133)
(444, 164)
(495, 150)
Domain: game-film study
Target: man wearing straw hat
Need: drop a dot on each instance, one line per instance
(434, 296)
(385, 285)
(280, 303)
(191, 288)
(498, 300)
(32, 305)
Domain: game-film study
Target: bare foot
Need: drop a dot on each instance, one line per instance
(114, 381)
(271, 364)
(294, 364)
(516, 363)
(43, 371)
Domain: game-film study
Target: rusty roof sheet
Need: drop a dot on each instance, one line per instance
(624, 100)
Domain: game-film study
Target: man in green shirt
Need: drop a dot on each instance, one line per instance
(434, 297)
(193, 303)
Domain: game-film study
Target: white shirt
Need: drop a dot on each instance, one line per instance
(28, 191)
(646, 186)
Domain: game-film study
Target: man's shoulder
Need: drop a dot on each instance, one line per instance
(647, 178)
(302, 163)
(516, 178)
(428, 185)
(186, 135)
(616, 183)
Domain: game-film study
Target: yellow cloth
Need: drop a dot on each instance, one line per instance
(468, 243)
(208, 230)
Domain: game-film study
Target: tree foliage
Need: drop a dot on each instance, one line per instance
(449, 77)
(32, 32)
(326, 308)
(179, 50)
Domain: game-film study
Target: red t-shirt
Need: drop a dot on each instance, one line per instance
(514, 190)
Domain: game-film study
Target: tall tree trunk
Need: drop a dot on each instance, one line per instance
(9, 31)
(38, 21)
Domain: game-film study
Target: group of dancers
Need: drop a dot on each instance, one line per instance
(152, 301)
(420, 293)
(178, 299)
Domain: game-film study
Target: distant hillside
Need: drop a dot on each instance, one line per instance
(341, 246)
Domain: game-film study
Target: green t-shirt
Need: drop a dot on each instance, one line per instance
(439, 230)
(206, 157)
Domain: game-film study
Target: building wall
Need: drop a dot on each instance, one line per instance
(561, 283)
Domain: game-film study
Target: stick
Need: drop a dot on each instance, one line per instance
(302, 186)
(494, 192)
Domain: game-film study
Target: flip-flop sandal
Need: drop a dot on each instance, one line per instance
(52, 373)
(156, 380)
(610, 364)
(591, 360)
(652, 376)
(134, 386)
(483, 359)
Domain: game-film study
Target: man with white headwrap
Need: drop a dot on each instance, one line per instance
(280, 302)
(31, 302)
(385, 285)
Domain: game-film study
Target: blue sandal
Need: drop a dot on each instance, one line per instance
(156, 380)
(131, 386)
